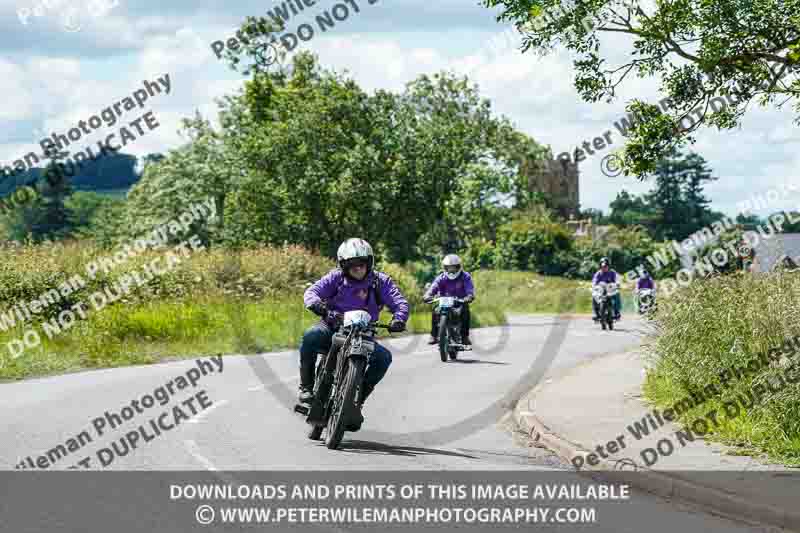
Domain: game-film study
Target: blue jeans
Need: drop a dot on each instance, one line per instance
(318, 338)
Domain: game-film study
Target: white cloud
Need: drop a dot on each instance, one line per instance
(537, 93)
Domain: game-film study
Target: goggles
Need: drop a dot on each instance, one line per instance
(452, 269)
(356, 262)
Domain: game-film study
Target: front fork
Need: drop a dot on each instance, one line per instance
(324, 382)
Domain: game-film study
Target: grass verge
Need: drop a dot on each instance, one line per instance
(151, 329)
(718, 325)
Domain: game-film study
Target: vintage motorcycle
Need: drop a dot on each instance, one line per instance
(603, 293)
(339, 377)
(646, 299)
(450, 327)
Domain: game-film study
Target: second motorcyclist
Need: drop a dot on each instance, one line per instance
(453, 281)
(606, 275)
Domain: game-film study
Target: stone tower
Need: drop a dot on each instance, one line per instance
(558, 181)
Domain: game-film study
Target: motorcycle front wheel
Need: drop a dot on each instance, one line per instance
(344, 402)
(444, 339)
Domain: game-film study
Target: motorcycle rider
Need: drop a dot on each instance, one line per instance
(453, 281)
(605, 274)
(644, 281)
(352, 286)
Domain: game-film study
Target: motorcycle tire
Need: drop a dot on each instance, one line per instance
(344, 402)
(315, 432)
(444, 339)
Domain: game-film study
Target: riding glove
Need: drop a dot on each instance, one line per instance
(319, 309)
(335, 318)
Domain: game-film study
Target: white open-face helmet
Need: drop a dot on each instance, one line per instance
(353, 252)
(452, 266)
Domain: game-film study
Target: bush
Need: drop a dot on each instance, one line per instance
(533, 244)
(480, 254)
(405, 282)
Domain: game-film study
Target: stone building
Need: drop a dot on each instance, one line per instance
(557, 181)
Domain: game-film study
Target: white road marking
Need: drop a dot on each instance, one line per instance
(191, 447)
(199, 416)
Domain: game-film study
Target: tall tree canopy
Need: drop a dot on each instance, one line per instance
(700, 50)
(304, 155)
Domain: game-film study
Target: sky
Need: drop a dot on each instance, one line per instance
(63, 61)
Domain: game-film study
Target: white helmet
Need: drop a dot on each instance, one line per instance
(452, 266)
(354, 251)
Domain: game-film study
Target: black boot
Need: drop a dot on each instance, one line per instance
(432, 339)
(306, 381)
(357, 418)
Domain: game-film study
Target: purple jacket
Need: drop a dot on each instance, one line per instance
(607, 277)
(644, 283)
(342, 294)
(461, 287)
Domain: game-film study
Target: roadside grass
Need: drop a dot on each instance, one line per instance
(210, 304)
(720, 324)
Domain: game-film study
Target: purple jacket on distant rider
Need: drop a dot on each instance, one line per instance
(644, 283)
(342, 294)
(461, 287)
(607, 277)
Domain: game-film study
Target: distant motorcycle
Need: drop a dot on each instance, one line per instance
(450, 342)
(646, 299)
(603, 293)
(339, 377)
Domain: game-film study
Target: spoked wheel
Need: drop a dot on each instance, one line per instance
(344, 403)
(444, 339)
(453, 351)
(321, 390)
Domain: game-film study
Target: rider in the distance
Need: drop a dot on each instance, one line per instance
(353, 286)
(644, 281)
(453, 281)
(605, 274)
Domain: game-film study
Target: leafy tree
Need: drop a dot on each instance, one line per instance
(415, 172)
(631, 210)
(534, 240)
(731, 50)
(97, 217)
(202, 168)
(48, 217)
(748, 222)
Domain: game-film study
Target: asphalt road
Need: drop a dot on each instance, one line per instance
(425, 415)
